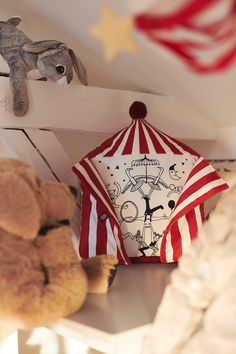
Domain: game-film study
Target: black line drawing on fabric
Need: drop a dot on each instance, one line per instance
(147, 232)
(174, 189)
(148, 210)
(148, 216)
(114, 193)
(154, 184)
(145, 161)
(135, 182)
(154, 244)
(127, 205)
(174, 173)
(142, 246)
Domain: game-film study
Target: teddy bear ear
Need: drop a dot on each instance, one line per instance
(20, 213)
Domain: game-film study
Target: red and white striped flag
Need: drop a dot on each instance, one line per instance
(143, 195)
(201, 33)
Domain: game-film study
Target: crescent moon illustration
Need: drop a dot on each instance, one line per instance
(173, 173)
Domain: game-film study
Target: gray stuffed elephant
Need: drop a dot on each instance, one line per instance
(49, 59)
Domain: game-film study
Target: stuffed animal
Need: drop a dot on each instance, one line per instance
(49, 59)
(41, 276)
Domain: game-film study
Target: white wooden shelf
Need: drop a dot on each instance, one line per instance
(117, 322)
(80, 108)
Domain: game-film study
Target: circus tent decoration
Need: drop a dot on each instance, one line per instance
(143, 194)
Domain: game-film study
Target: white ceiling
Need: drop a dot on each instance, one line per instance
(149, 70)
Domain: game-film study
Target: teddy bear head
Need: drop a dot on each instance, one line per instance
(29, 205)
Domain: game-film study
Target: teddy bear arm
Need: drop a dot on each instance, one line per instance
(64, 293)
(38, 302)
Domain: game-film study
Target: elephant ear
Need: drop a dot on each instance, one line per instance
(20, 213)
(42, 46)
(79, 68)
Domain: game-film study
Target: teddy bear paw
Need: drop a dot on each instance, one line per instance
(100, 271)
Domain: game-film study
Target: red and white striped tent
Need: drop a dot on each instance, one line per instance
(143, 194)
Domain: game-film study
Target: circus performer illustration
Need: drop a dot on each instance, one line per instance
(154, 244)
(142, 246)
(145, 184)
(114, 193)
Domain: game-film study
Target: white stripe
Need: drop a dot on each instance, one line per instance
(165, 146)
(124, 141)
(118, 243)
(113, 143)
(198, 218)
(198, 194)
(185, 234)
(204, 172)
(93, 221)
(213, 13)
(169, 248)
(111, 242)
(121, 146)
(82, 170)
(176, 145)
(162, 143)
(151, 147)
(97, 175)
(86, 176)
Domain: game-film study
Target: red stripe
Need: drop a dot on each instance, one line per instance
(142, 139)
(198, 167)
(149, 22)
(85, 218)
(158, 147)
(219, 63)
(202, 212)
(112, 230)
(98, 183)
(101, 244)
(210, 177)
(195, 203)
(166, 141)
(105, 145)
(113, 220)
(116, 145)
(176, 242)
(169, 144)
(118, 253)
(184, 147)
(123, 250)
(147, 259)
(130, 141)
(192, 223)
(163, 249)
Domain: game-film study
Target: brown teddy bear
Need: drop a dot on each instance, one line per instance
(41, 276)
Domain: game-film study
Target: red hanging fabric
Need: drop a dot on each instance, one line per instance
(201, 32)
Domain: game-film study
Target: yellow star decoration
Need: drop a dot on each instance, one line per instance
(114, 32)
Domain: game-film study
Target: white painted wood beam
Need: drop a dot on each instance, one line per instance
(80, 108)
